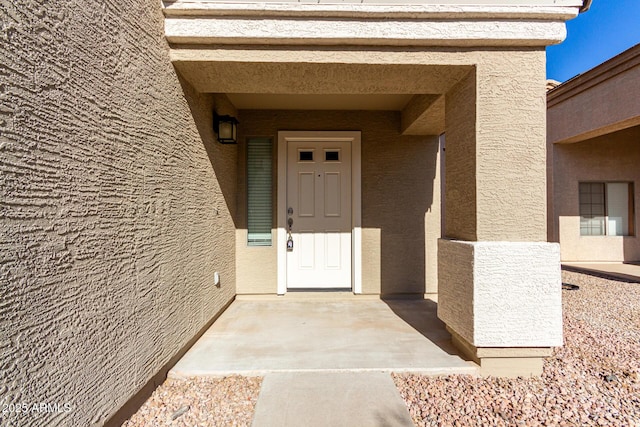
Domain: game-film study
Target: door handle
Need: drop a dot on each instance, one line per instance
(290, 238)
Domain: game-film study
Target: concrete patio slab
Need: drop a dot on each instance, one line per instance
(298, 335)
(330, 399)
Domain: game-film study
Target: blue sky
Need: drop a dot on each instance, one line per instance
(606, 29)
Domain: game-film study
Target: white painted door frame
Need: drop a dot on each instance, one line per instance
(352, 137)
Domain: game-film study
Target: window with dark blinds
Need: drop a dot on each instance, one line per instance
(259, 190)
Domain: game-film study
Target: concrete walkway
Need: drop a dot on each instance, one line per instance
(322, 399)
(618, 270)
(326, 361)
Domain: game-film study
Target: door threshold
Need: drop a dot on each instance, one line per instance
(325, 295)
(309, 296)
(320, 290)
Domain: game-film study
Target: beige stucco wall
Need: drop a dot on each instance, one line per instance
(593, 133)
(366, 23)
(460, 172)
(115, 209)
(496, 150)
(577, 109)
(613, 157)
(400, 202)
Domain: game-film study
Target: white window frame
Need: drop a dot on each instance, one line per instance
(606, 213)
(258, 243)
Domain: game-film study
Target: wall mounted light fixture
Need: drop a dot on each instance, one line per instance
(226, 127)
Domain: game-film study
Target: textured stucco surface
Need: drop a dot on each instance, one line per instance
(598, 102)
(115, 207)
(455, 295)
(323, 70)
(424, 115)
(265, 30)
(511, 147)
(496, 150)
(511, 297)
(400, 204)
(460, 172)
(362, 23)
(612, 157)
(438, 9)
(598, 111)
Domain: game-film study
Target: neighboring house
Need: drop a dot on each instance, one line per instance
(593, 128)
(127, 228)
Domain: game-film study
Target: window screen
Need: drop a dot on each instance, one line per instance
(259, 190)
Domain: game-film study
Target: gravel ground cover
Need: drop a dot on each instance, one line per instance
(594, 379)
(228, 401)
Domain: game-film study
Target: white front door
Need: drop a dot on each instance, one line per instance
(319, 210)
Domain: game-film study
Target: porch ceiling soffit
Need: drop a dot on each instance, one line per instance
(513, 23)
(326, 102)
(319, 78)
(600, 131)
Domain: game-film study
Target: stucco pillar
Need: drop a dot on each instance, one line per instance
(499, 280)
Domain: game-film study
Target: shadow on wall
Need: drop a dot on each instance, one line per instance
(398, 181)
(223, 158)
(631, 249)
(631, 245)
(613, 157)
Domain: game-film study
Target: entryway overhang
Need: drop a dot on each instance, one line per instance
(412, 82)
(412, 49)
(407, 23)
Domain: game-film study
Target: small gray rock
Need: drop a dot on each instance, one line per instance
(180, 412)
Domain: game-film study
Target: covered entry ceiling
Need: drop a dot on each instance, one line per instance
(346, 56)
(233, 71)
(271, 81)
(334, 56)
(258, 101)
